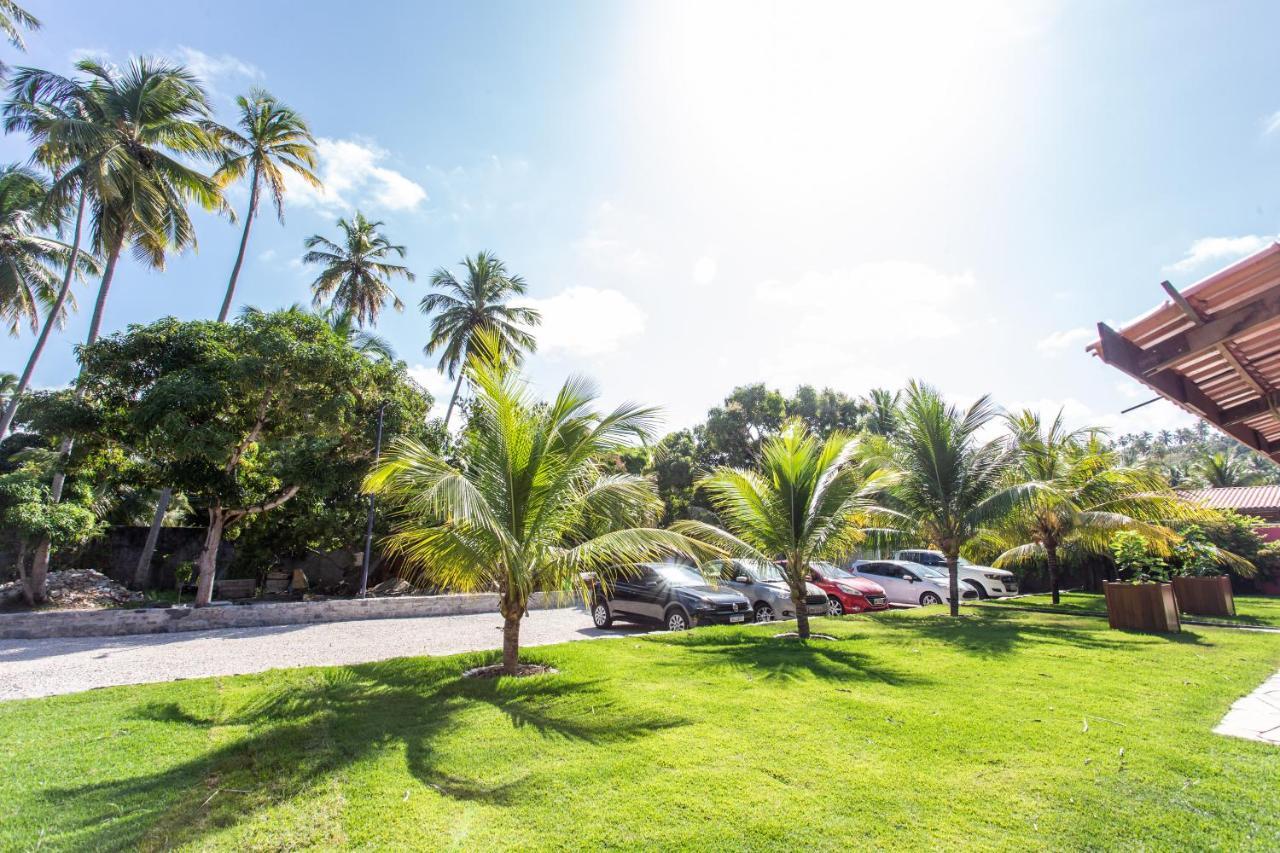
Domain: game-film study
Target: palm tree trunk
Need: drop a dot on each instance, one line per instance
(12, 409)
(40, 563)
(244, 241)
(207, 565)
(953, 579)
(142, 574)
(796, 582)
(1051, 558)
(511, 642)
(456, 388)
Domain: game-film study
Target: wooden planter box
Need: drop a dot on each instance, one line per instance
(1142, 607)
(1205, 596)
(236, 588)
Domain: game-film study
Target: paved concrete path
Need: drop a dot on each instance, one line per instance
(68, 665)
(1256, 716)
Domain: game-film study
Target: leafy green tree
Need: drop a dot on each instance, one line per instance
(951, 482)
(269, 138)
(1135, 558)
(29, 516)
(356, 272)
(1079, 497)
(734, 432)
(13, 20)
(239, 417)
(807, 500)
(480, 303)
(827, 410)
(533, 507)
(119, 139)
(674, 468)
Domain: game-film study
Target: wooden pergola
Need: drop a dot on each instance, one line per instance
(1213, 349)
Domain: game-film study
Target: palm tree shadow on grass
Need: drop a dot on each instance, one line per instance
(785, 659)
(301, 735)
(990, 631)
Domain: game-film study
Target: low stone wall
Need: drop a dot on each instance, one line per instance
(112, 623)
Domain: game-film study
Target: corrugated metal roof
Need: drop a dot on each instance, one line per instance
(1213, 349)
(1237, 497)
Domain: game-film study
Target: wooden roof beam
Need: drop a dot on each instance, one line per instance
(1211, 333)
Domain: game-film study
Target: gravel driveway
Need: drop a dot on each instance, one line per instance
(46, 667)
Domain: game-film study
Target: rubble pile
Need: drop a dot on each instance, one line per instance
(75, 589)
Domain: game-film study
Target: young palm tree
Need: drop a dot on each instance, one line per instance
(809, 500)
(480, 301)
(270, 137)
(882, 415)
(14, 19)
(950, 481)
(356, 272)
(535, 505)
(1225, 469)
(119, 138)
(1082, 497)
(30, 262)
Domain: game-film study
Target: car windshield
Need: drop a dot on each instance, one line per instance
(679, 575)
(961, 561)
(830, 570)
(766, 572)
(928, 571)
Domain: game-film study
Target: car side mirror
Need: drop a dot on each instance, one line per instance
(742, 579)
(910, 578)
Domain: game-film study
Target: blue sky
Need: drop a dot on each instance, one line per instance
(704, 195)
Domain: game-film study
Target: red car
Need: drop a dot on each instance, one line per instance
(846, 593)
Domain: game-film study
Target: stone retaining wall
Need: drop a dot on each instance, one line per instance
(112, 623)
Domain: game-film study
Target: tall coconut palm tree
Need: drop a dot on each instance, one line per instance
(882, 411)
(355, 271)
(1081, 497)
(808, 500)
(30, 262)
(951, 482)
(269, 138)
(13, 20)
(479, 302)
(122, 135)
(536, 504)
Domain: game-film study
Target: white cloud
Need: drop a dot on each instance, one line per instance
(704, 271)
(585, 321)
(1059, 342)
(1221, 249)
(353, 175)
(1157, 416)
(1271, 124)
(888, 300)
(215, 69)
(436, 383)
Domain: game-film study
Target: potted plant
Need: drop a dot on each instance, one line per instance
(1144, 600)
(1203, 587)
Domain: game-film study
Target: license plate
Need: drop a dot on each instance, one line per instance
(741, 617)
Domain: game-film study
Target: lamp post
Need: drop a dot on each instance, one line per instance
(368, 529)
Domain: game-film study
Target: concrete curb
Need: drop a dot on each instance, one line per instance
(121, 622)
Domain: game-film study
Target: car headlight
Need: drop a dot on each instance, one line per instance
(851, 590)
(994, 577)
(703, 604)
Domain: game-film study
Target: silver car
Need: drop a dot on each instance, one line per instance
(766, 589)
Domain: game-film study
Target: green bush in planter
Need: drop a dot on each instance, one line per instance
(1195, 555)
(1134, 559)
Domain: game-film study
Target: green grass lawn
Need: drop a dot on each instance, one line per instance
(1004, 729)
(1256, 610)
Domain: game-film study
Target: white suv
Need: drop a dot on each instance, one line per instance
(986, 581)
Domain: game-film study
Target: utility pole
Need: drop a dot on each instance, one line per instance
(368, 530)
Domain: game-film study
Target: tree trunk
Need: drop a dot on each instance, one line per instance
(12, 409)
(38, 580)
(27, 592)
(953, 579)
(40, 563)
(1051, 558)
(208, 562)
(142, 574)
(244, 241)
(454, 399)
(795, 580)
(511, 642)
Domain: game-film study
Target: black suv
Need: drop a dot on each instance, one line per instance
(668, 593)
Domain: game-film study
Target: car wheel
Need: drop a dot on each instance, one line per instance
(834, 607)
(764, 613)
(676, 620)
(978, 588)
(600, 615)
(930, 598)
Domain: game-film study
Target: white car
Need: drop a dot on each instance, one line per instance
(910, 583)
(986, 581)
